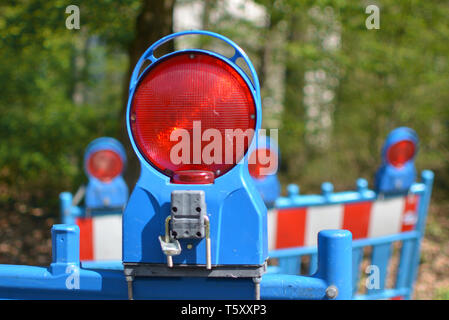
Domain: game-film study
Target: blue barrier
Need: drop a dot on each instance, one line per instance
(289, 259)
(68, 278)
(190, 230)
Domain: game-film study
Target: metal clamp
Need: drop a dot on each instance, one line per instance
(172, 247)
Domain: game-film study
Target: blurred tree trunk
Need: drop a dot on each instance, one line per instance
(154, 21)
(292, 131)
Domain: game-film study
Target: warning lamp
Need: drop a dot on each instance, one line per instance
(192, 116)
(190, 93)
(397, 172)
(401, 152)
(104, 162)
(263, 163)
(104, 165)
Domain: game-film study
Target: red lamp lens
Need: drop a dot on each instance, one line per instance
(104, 165)
(261, 159)
(193, 87)
(401, 152)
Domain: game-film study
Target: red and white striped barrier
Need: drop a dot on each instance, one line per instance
(299, 226)
(100, 237)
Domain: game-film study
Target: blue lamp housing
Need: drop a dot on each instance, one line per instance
(397, 172)
(268, 184)
(235, 211)
(107, 193)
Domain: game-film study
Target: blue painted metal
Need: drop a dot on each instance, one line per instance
(427, 178)
(334, 269)
(68, 211)
(268, 185)
(295, 199)
(380, 258)
(390, 179)
(381, 253)
(357, 256)
(238, 237)
(68, 278)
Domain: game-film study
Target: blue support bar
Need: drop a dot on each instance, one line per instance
(380, 259)
(357, 256)
(282, 286)
(290, 265)
(427, 179)
(313, 265)
(65, 203)
(404, 271)
(68, 211)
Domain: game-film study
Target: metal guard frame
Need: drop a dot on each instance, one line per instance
(148, 55)
(290, 258)
(69, 279)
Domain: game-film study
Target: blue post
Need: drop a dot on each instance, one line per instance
(65, 248)
(362, 188)
(327, 189)
(65, 205)
(427, 179)
(335, 262)
(292, 190)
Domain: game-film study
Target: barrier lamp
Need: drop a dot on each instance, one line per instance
(192, 116)
(263, 164)
(104, 162)
(397, 172)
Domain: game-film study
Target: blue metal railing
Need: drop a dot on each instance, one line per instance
(289, 259)
(68, 278)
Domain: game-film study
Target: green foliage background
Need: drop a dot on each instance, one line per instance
(395, 76)
(43, 132)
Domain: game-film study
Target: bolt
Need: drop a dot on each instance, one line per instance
(331, 292)
(189, 246)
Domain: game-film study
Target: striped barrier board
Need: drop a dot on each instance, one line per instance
(378, 222)
(100, 237)
(100, 229)
(297, 227)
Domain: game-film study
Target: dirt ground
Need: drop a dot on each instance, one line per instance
(433, 276)
(25, 239)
